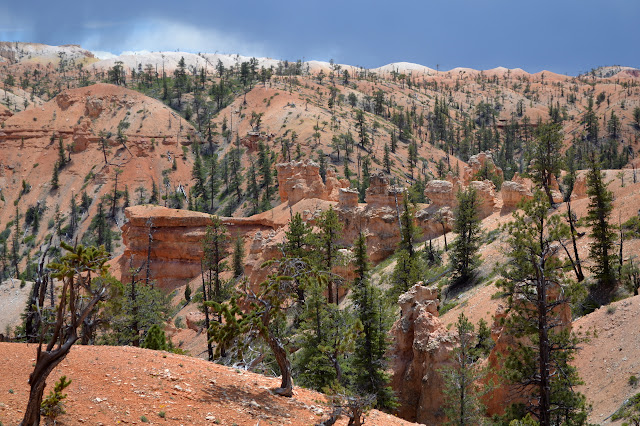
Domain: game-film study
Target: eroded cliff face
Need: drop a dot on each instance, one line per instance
(421, 348)
(176, 235)
(298, 180)
(172, 241)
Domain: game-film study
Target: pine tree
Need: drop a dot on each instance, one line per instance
(386, 161)
(464, 257)
(238, 257)
(266, 311)
(54, 179)
(155, 339)
(598, 217)
(75, 270)
(297, 242)
(15, 243)
(407, 270)
(253, 189)
(545, 158)
(215, 246)
(62, 158)
(537, 290)
(461, 390)
(330, 231)
(327, 334)
(154, 193)
(369, 358)
(199, 176)
(214, 183)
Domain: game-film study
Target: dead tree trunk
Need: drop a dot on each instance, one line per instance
(206, 314)
(576, 265)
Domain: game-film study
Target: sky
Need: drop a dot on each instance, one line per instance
(564, 36)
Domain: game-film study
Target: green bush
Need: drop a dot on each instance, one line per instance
(155, 339)
(53, 404)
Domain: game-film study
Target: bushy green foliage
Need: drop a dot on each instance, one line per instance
(155, 339)
(132, 309)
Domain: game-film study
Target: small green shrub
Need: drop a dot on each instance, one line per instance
(144, 419)
(633, 381)
(53, 404)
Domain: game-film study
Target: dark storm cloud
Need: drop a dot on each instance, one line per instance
(566, 36)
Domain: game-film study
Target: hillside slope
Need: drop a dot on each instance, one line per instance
(121, 385)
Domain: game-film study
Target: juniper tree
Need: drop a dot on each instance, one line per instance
(537, 289)
(79, 296)
(464, 251)
(265, 310)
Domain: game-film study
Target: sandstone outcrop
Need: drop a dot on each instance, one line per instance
(381, 194)
(441, 193)
(176, 242)
(485, 191)
(422, 346)
(580, 187)
(513, 193)
(479, 162)
(176, 247)
(298, 180)
(4, 113)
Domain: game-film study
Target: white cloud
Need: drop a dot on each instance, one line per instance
(101, 54)
(164, 35)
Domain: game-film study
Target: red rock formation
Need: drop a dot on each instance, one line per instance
(513, 193)
(478, 162)
(4, 113)
(580, 187)
(422, 346)
(298, 180)
(441, 193)
(176, 246)
(486, 195)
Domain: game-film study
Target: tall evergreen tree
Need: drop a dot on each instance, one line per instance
(238, 257)
(330, 230)
(545, 156)
(407, 270)
(464, 257)
(604, 237)
(539, 365)
(462, 392)
(369, 358)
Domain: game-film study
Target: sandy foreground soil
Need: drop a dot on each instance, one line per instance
(120, 385)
